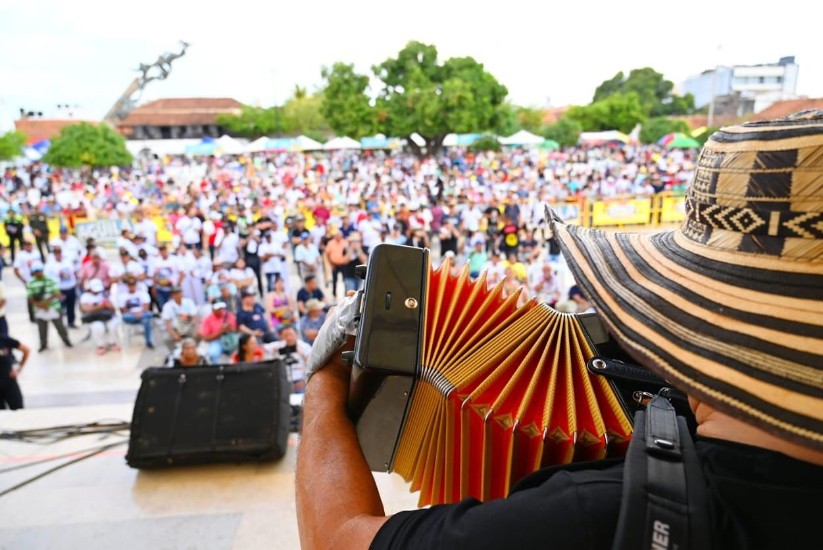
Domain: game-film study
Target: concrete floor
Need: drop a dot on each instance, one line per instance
(102, 503)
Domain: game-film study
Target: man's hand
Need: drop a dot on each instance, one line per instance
(14, 374)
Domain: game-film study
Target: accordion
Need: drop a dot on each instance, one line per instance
(463, 392)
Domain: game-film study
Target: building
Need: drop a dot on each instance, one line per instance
(745, 86)
(781, 109)
(41, 129)
(178, 118)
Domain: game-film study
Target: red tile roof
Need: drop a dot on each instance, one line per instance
(181, 111)
(779, 109)
(553, 114)
(38, 129)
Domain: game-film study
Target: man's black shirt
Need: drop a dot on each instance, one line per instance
(758, 499)
(7, 345)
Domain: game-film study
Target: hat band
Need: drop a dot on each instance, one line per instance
(750, 221)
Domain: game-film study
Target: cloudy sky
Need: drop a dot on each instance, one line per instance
(84, 52)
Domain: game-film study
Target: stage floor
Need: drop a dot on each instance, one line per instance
(101, 503)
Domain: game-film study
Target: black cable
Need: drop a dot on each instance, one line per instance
(61, 466)
(58, 433)
(50, 459)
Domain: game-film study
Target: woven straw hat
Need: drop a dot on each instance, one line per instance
(730, 306)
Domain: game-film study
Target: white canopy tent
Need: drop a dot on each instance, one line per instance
(230, 146)
(303, 143)
(159, 147)
(257, 146)
(522, 137)
(342, 142)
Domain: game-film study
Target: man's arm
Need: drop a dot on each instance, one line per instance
(338, 504)
(25, 350)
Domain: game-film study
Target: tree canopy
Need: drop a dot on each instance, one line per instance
(656, 94)
(565, 131)
(300, 115)
(655, 128)
(418, 94)
(11, 144)
(88, 145)
(616, 112)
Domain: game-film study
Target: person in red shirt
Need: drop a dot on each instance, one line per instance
(217, 324)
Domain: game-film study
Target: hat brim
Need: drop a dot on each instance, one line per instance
(742, 332)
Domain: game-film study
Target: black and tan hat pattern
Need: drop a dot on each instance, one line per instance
(730, 306)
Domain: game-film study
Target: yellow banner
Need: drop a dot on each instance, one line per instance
(673, 210)
(621, 212)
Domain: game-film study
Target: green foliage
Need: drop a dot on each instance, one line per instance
(655, 128)
(506, 120)
(486, 142)
(87, 145)
(345, 103)
(530, 118)
(565, 131)
(421, 95)
(11, 144)
(302, 115)
(616, 112)
(253, 122)
(654, 92)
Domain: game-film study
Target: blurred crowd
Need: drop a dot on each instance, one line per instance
(259, 247)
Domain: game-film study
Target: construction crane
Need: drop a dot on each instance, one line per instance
(158, 70)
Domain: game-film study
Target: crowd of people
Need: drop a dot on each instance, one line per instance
(261, 247)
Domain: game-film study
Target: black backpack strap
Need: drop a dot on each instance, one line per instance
(664, 504)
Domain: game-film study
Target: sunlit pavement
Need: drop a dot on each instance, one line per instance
(100, 502)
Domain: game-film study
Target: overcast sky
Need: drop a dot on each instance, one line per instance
(84, 53)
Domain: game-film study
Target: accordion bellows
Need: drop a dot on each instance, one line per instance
(503, 391)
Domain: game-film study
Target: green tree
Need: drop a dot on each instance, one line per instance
(303, 115)
(655, 128)
(421, 95)
(486, 142)
(565, 131)
(654, 91)
(616, 112)
(345, 105)
(506, 120)
(253, 122)
(11, 144)
(87, 145)
(530, 118)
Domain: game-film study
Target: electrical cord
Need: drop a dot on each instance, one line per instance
(47, 436)
(60, 467)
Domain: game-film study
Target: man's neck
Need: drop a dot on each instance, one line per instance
(715, 424)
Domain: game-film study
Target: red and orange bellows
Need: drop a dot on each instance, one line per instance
(503, 392)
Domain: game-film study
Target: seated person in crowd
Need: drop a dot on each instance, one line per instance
(97, 311)
(251, 318)
(310, 290)
(179, 317)
(312, 321)
(294, 353)
(225, 292)
(248, 350)
(135, 305)
(243, 276)
(280, 306)
(188, 355)
(218, 323)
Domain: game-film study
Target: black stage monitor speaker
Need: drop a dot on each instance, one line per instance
(197, 415)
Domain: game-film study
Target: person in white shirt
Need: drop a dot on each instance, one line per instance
(62, 270)
(190, 228)
(166, 273)
(71, 246)
(545, 284)
(98, 313)
(273, 257)
(134, 307)
(198, 272)
(125, 242)
(243, 277)
(307, 256)
(25, 258)
(294, 353)
(228, 247)
(126, 266)
(179, 317)
(146, 227)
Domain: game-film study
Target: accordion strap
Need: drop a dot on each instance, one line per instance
(664, 503)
